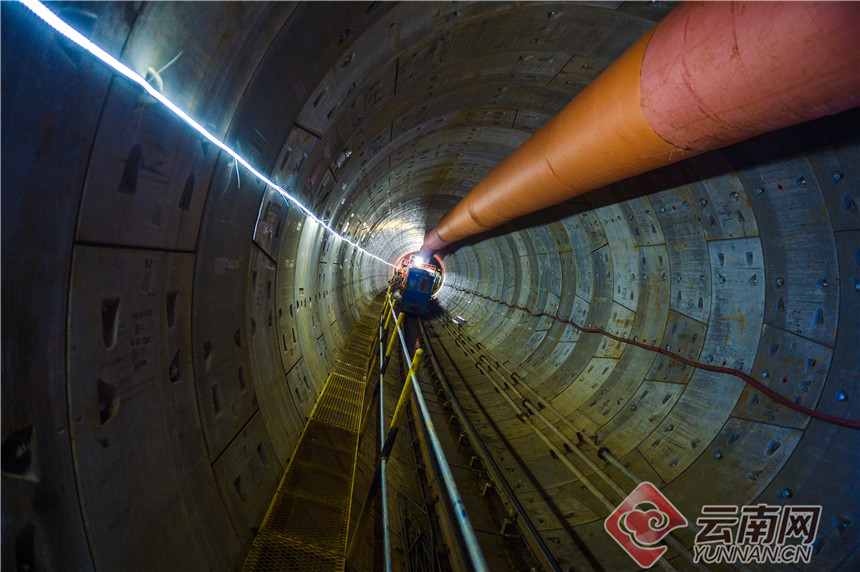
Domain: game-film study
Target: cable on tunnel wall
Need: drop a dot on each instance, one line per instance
(69, 32)
(851, 424)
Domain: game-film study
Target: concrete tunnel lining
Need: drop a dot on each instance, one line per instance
(747, 255)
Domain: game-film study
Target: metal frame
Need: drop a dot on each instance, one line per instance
(487, 458)
(467, 532)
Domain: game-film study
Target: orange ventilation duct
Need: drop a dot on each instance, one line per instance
(707, 76)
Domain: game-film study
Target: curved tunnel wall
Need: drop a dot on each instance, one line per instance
(704, 269)
(160, 300)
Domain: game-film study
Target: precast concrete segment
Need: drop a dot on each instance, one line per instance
(709, 75)
(68, 31)
(533, 404)
(850, 423)
(541, 472)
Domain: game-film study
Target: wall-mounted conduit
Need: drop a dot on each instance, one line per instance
(851, 424)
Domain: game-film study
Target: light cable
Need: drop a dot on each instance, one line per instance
(66, 30)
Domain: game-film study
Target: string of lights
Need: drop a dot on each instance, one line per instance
(66, 30)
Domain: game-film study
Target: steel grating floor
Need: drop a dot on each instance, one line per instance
(340, 402)
(307, 523)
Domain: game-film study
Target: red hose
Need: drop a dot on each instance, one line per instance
(851, 424)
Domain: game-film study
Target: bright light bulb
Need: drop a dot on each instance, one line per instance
(418, 261)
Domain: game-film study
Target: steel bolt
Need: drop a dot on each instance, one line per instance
(719, 454)
(759, 190)
(786, 493)
(780, 282)
(765, 374)
(836, 176)
(841, 396)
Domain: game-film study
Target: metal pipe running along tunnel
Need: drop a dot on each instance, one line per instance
(169, 320)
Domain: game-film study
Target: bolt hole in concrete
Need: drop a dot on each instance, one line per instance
(109, 399)
(262, 454)
(171, 309)
(187, 193)
(207, 355)
(240, 489)
(174, 372)
(110, 321)
(216, 399)
(131, 171)
(17, 454)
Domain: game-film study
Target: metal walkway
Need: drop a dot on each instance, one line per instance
(306, 525)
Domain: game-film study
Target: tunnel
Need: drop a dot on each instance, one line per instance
(170, 321)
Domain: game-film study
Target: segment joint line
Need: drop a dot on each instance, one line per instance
(73, 35)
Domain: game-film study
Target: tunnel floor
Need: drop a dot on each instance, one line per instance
(306, 525)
